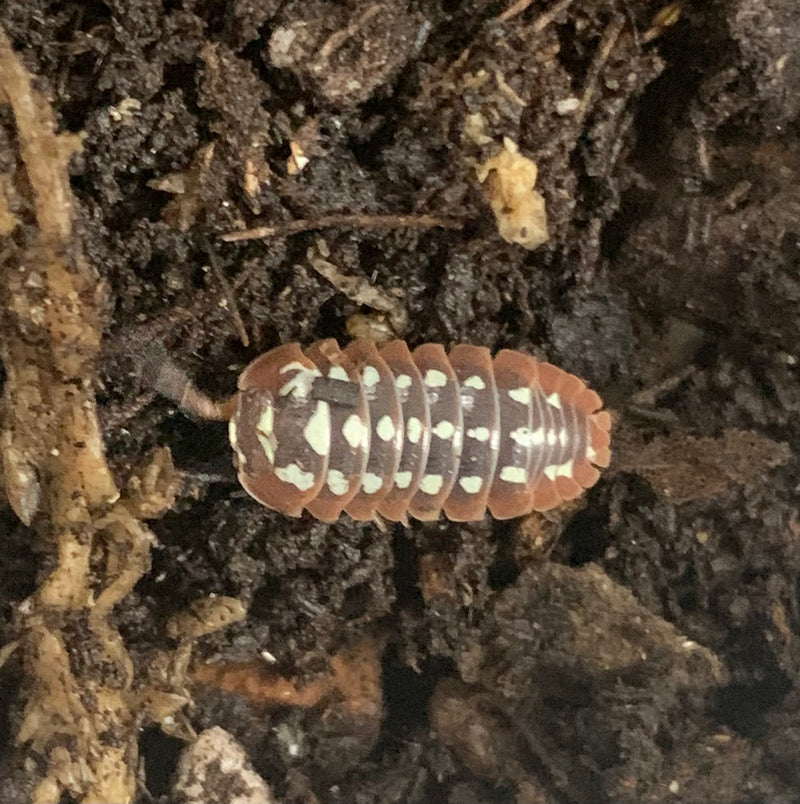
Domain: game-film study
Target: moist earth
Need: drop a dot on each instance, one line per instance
(639, 645)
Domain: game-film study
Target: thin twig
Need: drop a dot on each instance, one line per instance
(604, 50)
(359, 221)
(543, 20)
(514, 10)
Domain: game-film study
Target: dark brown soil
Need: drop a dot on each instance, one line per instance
(640, 647)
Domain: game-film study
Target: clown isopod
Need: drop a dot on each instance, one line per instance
(380, 431)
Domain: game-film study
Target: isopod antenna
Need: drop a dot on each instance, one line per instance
(162, 374)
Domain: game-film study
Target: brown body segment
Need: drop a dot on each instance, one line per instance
(516, 377)
(416, 430)
(544, 490)
(348, 429)
(386, 417)
(447, 431)
(480, 409)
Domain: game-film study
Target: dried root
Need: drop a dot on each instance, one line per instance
(79, 732)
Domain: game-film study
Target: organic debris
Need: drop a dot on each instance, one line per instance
(359, 290)
(51, 441)
(353, 679)
(509, 178)
(215, 769)
(626, 649)
(356, 221)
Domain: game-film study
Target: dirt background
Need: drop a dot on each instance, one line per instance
(641, 645)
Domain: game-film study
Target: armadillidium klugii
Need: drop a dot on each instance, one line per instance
(383, 431)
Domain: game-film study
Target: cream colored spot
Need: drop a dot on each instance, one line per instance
(266, 421)
(554, 470)
(537, 437)
(267, 444)
(265, 433)
(431, 484)
(403, 381)
(475, 382)
(522, 436)
(435, 378)
(521, 395)
(514, 474)
(371, 482)
(563, 436)
(479, 434)
(385, 428)
(552, 438)
(337, 482)
(591, 454)
(370, 376)
(295, 475)
(295, 365)
(414, 430)
(353, 430)
(318, 430)
(300, 384)
(338, 373)
(444, 429)
(554, 399)
(472, 485)
(232, 438)
(402, 480)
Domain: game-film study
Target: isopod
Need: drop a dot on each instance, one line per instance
(383, 431)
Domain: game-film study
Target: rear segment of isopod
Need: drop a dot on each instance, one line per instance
(575, 437)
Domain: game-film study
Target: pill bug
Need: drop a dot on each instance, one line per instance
(383, 431)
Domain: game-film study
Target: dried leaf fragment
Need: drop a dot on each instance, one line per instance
(205, 616)
(297, 159)
(358, 289)
(509, 179)
(188, 187)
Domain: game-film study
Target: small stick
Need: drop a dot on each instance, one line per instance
(543, 20)
(604, 50)
(514, 10)
(357, 221)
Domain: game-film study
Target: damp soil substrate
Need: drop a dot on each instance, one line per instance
(669, 282)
